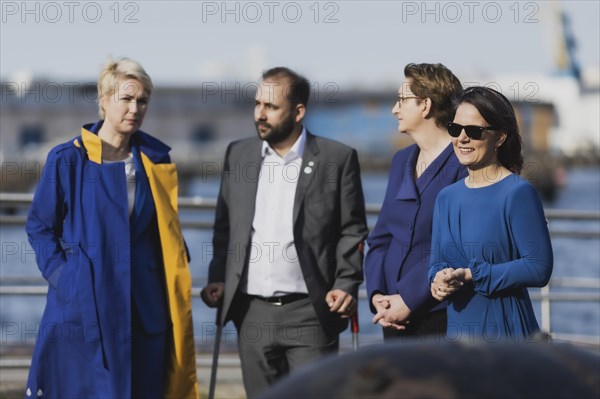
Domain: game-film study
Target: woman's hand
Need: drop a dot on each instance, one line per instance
(446, 282)
(463, 275)
(392, 312)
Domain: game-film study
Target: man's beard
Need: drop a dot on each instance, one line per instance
(278, 133)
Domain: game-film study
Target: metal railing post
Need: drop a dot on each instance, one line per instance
(545, 304)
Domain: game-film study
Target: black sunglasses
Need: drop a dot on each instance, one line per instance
(474, 132)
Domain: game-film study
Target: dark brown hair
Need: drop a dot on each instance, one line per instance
(499, 113)
(439, 84)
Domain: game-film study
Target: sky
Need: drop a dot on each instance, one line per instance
(352, 43)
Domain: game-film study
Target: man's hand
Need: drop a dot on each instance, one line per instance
(212, 294)
(392, 311)
(341, 302)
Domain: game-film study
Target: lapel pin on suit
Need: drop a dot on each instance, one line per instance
(308, 169)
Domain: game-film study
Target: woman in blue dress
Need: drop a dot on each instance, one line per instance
(106, 233)
(490, 238)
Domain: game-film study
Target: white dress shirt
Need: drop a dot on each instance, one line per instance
(274, 267)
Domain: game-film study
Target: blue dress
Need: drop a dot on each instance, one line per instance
(501, 234)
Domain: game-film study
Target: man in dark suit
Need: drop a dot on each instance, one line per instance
(289, 225)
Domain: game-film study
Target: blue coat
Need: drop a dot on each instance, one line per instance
(79, 228)
(398, 248)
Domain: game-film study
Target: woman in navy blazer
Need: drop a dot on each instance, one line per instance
(397, 261)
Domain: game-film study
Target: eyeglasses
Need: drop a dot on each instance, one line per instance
(474, 132)
(402, 100)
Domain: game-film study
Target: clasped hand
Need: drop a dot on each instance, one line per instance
(391, 310)
(447, 281)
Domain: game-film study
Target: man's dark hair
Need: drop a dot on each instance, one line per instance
(297, 90)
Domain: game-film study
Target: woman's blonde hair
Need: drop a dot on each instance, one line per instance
(119, 69)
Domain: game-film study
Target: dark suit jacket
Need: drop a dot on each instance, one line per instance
(329, 222)
(399, 247)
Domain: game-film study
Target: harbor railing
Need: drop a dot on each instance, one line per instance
(559, 289)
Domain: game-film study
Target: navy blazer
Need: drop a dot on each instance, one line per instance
(398, 248)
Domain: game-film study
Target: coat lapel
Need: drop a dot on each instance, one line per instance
(434, 168)
(248, 171)
(411, 189)
(309, 168)
(181, 381)
(408, 189)
(92, 144)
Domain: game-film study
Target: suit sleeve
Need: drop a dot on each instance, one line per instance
(45, 219)
(216, 271)
(349, 256)
(378, 244)
(529, 231)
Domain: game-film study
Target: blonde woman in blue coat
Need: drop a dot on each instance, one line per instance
(106, 233)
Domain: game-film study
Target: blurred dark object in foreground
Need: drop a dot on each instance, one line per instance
(450, 370)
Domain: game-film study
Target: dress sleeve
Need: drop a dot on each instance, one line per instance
(45, 219)
(533, 263)
(435, 261)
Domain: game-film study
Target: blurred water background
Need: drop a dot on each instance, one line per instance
(574, 257)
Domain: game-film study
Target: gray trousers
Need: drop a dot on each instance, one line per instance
(274, 340)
